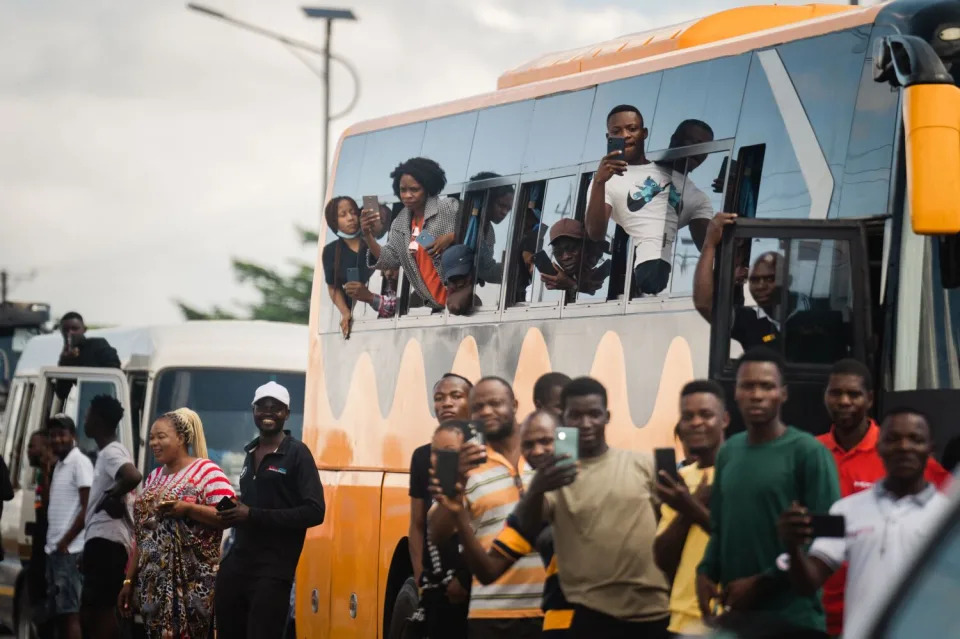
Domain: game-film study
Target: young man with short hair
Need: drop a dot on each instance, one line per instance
(69, 492)
(758, 474)
(885, 524)
(650, 201)
(280, 498)
(109, 524)
(451, 402)
(495, 478)
(604, 525)
(80, 350)
(547, 390)
(853, 440)
(684, 528)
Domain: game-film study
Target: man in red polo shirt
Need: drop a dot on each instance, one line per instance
(853, 441)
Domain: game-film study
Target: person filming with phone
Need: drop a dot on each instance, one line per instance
(685, 511)
(280, 498)
(879, 528)
(173, 568)
(80, 350)
(603, 521)
(420, 233)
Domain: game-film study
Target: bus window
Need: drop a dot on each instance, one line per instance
(484, 226)
(447, 141)
(640, 91)
(558, 120)
(703, 184)
(529, 237)
(500, 139)
(604, 262)
(559, 232)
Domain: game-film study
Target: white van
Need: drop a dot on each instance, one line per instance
(212, 367)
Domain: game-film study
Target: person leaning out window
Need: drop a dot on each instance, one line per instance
(344, 259)
(418, 183)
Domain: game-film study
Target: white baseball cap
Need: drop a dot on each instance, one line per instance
(274, 390)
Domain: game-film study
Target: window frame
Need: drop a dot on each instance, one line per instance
(852, 231)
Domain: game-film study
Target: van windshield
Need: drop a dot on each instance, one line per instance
(222, 399)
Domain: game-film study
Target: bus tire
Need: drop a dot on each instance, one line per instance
(406, 603)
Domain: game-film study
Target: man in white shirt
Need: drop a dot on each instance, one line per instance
(109, 524)
(885, 525)
(69, 490)
(651, 201)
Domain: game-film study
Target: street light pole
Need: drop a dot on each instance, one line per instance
(295, 47)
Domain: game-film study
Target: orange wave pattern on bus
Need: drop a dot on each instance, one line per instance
(362, 437)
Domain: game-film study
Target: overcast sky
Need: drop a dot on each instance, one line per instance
(143, 145)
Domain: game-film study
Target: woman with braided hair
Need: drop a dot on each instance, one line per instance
(171, 576)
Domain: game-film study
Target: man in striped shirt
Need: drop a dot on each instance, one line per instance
(509, 607)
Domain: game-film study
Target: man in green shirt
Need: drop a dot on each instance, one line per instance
(758, 475)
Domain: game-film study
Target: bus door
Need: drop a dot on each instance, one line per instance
(802, 288)
(69, 391)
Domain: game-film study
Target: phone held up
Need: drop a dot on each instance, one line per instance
(567, 442)
(476, 437)
(828, 526)
(371, 203)
(543, 263)
(616, 144)
(448, 465)
(665, 459)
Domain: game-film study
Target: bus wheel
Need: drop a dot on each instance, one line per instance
(407, 602)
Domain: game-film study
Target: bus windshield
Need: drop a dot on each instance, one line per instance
(222, 399)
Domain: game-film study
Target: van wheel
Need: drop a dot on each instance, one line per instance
(26, 629)
(407, 602)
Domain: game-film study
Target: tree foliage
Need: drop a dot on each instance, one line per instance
(283, 298)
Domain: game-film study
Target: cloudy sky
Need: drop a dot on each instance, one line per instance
(143, 145)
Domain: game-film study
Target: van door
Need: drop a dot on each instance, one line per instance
(80, 386)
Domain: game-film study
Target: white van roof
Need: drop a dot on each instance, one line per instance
(199, 344)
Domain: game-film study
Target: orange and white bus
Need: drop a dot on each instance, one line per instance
(853, 180)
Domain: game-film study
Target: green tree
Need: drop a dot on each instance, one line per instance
(283, 298)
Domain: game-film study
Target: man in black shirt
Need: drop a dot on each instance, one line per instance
(451, 401)
(80, 350)
(280, 498)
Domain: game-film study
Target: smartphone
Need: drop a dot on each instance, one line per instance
(353, 274)
(226, 503)
(828, 525)
(477, 437)
(616, 144)
(425, 239)
(567, 442)
(448, 465)
(371, 203)
(544, 263)
(75, 339)
(665, 459)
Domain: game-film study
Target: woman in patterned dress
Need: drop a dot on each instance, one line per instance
(171, 576)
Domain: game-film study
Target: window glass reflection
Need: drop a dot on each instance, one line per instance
(640, 91)
(500, 138)
(349, 165)
(487, 232)
(559, 123)
(448, 141)
(710, 91)
(563, 246)
(384, 151)
(601, 258)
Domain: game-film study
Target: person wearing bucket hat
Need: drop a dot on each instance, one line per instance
(280, 498)
(459, 279)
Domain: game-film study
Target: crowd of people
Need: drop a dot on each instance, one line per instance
(109, 544)
(529, 542)
(448, 251)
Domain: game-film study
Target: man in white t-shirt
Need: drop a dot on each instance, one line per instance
(109, 523)
(69, 491)
(886, 525)
(650, 201)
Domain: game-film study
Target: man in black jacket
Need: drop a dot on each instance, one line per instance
(80, 350)
(280, 498)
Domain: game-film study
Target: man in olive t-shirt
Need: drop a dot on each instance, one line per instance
(604, 526)
(758, 475)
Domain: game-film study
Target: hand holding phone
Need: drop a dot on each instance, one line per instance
(353, 274)
(828, 526)
(226, 503)
(371, 203)
(615, 144)
(543, 263)
(448, 465)
(567, 442)
(665, 459)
